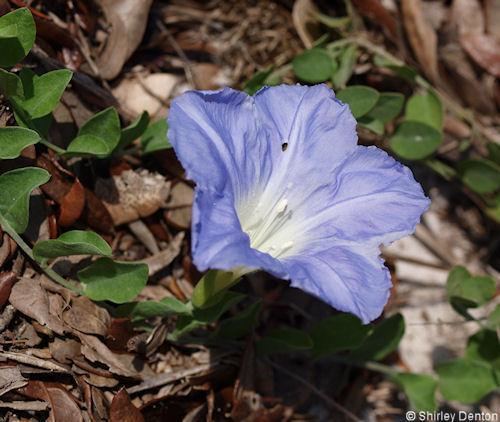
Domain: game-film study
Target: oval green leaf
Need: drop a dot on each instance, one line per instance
(388, 107)
(361, 99)
(134, 130)
(14, 139)
(420, 390)
(118, 282)
(75, 242)
(415, 140)
(482, 176)
(466, 291)
(282, 340)
(155, 137)
(15, 189)
(17, 36)
(425, 108)
(313, 66)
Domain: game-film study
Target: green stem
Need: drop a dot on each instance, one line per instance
(372, 366)
(69, 284)
(53, 147)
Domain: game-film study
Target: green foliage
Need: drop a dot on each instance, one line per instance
(465, 291)
(10, 84)
(155, 137)
(494, 319)
(282, 340)
(41, 94)
(74, 242)
(336, 333)
(347, 59)
(240, 325)
(482, 176)
(484, 346)
(313, 66)
(17, 36)
(361, 99)
(98, 136)
(415, 140)
(383, 340)
(211, 288)
(118, 282)
(260, 79)
(148, 309)
(14, 139)
(15, 189)
(420, 390)
(388, 107)
(465, 380)
(425, 108)
(134, 130)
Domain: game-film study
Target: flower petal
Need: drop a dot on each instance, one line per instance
(352, 279)
(372, 199)
(218, 241)
(216, 137)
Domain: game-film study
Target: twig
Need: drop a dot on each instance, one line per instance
(34, 361)
(315, 390)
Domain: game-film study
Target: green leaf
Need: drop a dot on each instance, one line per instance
(484, 347)
(336, 333)
(211, 287)
(260, 79)
(441, 168)
(415, 140)
(15, 188)
(98, 136)
(388, 107)
(482, 176)
(74, 242)
(333, 22)
(425, 108)
(383, 340)
(376, 126)
(155, 137)
(14, 139)
(361, 99)
(134, 130)
(347, 60)
(494, 319)
(283, 340)
(10, 84)
(420, 390)
(313, 66)
(465, 381)
(149, 309)
(240, 325)
(465, 291)
(493, 153)
(41, 93)
(17, 36)
(404, 72)
(118, 282)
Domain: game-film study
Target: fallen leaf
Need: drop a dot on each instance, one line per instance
(31, 299)
(72, 204)
(128, 19)
(378, 14)
(63, 407)
(64, 351)
(96, 351)
(96, 214)
(122, 409)
(484, 50)
(140, 92)
(132, 195)
(165, 257)
(85, 316)
(422, 37)
(11, 379)
(7, 248)
(179, 206)
(7, 280)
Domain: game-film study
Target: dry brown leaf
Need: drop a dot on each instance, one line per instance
(11, 379)
(96, 351)
(122, 409)
(468, 16)
(165, 257)
(72, 204)
(31, 299)
(484, 50)
(128, 19)
(64, 351)
(7, 280)
(7, 248)
(96, 214)
(132, 195)
(378, 14)
(422, 37)
(138, 92)
(179, 206)
(85, 316)
(63, 407)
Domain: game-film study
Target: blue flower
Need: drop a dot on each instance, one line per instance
(282, 186)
